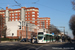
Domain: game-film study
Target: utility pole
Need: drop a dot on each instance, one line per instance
(1, 29)
(27, 27)
(61, 27)
(43, 26)
(26, 31)
(64, 31)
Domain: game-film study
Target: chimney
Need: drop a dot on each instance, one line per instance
(6, 8)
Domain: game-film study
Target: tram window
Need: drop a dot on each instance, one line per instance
(44, 38)
(40, 37)
(40, 33)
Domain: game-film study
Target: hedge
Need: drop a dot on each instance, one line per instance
(5, 39)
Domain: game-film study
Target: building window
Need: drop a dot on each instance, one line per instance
(26, 15)
(46, 27)
(26, 18)
(33, 9)
(38, 25)
(16, 19)
(33, 18)
(33, 15)
(37, 13)
(33, 12)
(37, 16)
(12, 17)
(38, 22)
(16, 11)
(47, 21)
(26, 12)
(12, 14)
(33, 21)
(16, 16)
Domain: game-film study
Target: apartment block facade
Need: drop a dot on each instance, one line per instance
(28, 14)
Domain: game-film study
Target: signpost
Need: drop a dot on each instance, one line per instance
(52, 36)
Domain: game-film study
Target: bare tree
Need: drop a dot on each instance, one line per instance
(53, 29)
(72, 24)
(73, 3)
(2, 27)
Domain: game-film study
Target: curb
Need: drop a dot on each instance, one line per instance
(8, 41)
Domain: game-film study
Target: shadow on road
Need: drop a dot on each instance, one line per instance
(65, 46)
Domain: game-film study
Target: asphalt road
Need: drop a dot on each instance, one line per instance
(29, 46)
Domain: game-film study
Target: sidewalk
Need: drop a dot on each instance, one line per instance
(57, 42)
(8, 41)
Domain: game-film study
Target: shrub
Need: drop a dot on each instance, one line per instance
(5, 39)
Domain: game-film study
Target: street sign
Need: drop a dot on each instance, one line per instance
(52, 34)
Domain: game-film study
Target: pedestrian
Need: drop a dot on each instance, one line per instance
(56, 39)
(31, 40)
(62, 38)
(69, 39)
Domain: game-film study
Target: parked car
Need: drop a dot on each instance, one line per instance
(29, 40)
(23, 40)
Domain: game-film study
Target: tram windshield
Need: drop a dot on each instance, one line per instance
(40, 37)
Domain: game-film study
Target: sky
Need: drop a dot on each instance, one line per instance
(59, 11)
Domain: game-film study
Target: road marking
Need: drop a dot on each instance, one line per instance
(20, 48)
(31, 48)
(42, 46)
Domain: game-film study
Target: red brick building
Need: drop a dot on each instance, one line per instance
(30, 14)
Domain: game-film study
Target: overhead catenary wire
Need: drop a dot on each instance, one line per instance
(1, 8)
(18, 4)
(50, 7)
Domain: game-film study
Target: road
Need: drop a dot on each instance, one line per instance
(29, 46)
